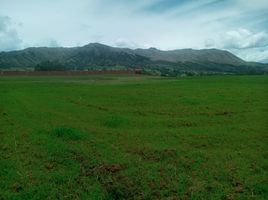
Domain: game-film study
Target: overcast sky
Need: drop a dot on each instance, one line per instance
(240, 26)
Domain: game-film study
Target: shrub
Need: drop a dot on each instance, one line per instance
(67, 133)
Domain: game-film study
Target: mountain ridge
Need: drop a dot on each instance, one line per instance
(152, 59)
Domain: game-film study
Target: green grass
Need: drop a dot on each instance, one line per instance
(134, 137)
(67, 133)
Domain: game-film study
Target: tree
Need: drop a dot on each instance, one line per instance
(50, 66)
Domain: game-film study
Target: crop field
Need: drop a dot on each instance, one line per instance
(134, 137)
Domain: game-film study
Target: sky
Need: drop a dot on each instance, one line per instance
(239, 26)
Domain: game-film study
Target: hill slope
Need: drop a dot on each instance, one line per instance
(97, 55)
(191, 55)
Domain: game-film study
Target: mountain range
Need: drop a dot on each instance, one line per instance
(152, 60)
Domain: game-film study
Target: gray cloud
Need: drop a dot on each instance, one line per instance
(209, 43)
(251, 46)
(47, 42)
(124, 43)
(9, 39)
(244, 39)
(53, 43)
(165, 5)
(264, 60)
(252, 54)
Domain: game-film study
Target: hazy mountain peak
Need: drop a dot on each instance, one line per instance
(153, 49)
(95, 45)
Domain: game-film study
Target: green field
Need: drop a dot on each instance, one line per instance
(134, 137)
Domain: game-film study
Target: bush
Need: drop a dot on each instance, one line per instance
(67, 133)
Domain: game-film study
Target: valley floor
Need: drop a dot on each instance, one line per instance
(134, 137)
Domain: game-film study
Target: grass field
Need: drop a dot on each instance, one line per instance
(134, 137)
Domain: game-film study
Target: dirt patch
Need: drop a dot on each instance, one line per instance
(155, 155)
(49, 166)
(114, 183)
(17, 187)
(66, 73)
(110, 168)
(182, 123)
(89, 168)
(224, 113)
(239, 188)
(97, 107)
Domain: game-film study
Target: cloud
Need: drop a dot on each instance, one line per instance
(125, 43)
(53, 43)
(252, 4)
(244, 39)
(9, 38)
(209, 43)
(48, 42)
(249, 45)
(165, 5)
(252, 54)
